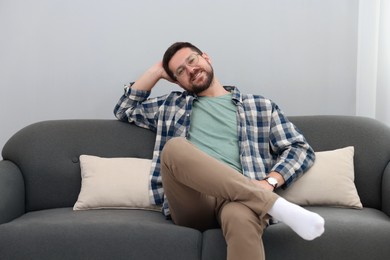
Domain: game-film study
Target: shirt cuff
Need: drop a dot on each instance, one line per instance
(135, 94)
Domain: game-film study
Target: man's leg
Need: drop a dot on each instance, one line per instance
(187, 206)
(190, 170)
(243, 231)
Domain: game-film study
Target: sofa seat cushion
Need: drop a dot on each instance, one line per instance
(97, 234)
(349, 234)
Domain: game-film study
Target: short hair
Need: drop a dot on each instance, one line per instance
(172, 51)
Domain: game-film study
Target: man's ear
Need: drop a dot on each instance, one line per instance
(206, 57)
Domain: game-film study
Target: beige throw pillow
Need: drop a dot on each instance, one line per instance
(329, 182)
(121, 183)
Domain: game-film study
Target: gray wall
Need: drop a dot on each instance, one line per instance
(67, 59)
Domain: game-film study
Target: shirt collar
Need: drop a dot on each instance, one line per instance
(236, 94)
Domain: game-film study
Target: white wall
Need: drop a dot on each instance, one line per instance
(373, 60)
(63, 59)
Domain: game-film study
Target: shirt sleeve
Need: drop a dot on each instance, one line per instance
(135, 106)
(294, 154)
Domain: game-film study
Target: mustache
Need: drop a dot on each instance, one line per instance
(194, 72)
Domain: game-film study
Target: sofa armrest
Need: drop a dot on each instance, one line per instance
(386, 190)
(12, 193)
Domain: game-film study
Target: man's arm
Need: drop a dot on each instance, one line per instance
(295, 155)
(134, 106)
(265, 185)
(150, 77)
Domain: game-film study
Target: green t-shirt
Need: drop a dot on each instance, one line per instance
(214, 129)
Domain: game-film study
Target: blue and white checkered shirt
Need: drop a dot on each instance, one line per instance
(267, 140)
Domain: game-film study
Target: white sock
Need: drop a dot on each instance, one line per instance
(306, 224)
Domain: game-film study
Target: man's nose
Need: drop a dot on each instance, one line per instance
(189, 69)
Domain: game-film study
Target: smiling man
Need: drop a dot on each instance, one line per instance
(219, 154)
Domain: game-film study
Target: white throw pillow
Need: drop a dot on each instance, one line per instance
(329, 182)
(121, 183)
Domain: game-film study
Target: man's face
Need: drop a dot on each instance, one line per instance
(193, 71)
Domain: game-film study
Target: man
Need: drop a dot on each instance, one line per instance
(219, 154)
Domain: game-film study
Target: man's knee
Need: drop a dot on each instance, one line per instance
(173, 146)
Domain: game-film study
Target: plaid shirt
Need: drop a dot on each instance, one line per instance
(267, 140)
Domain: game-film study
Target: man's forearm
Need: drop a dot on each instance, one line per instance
(146, 82)
(150, 78)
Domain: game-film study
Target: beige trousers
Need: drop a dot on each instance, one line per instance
(204, 193)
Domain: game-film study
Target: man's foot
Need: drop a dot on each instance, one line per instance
(307, 224)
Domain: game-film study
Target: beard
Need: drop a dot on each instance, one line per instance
(198, 88)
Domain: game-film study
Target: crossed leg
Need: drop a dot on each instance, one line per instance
(187, 170)
(200, 190)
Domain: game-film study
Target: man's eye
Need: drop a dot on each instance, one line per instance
(191, 60)
(179, 72)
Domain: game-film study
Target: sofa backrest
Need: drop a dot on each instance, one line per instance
(47, 153)
(370, 138)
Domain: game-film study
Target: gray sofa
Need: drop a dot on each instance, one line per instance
(40, 182)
